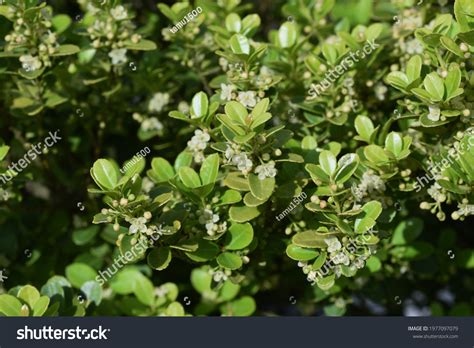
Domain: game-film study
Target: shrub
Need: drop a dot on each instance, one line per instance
(237, 159)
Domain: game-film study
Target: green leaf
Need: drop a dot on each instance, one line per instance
(262, 189)
(236, 182)
(287, 35)
(61, 23)
(200, 105)
(105, 174)
(93, 291)
(159, 258)
(319, 262)
(407, 231)
(260, 119)
(233, 23)
(3, 151)
(394, 143)
(239, 236)
(250, 23)
(452, 81)
(464, 12)
(312, 239)
(326, 283)
(373, 264)
(236, 111)
(29, 294)
(330, 53)
(133, 166)
(175, 309)
(467, 37)
(144, 290)
(364, 225)
(414, 68)
(327, 161)
(124, 281)
(10, 305)
(229, 261)
(398, 80)
(375, 154)
(316, 172)
(243, 214)
(84, 235)
(230, 197)
(451, 46)
(41, 306)
(300, 254)
(201, 280)
(168, 12)
(189, 177)
(161, 171)
(239, 44)
(142, 45)
(347, 165)
(242, 307)
(434, 86)
(66, 50)
(372, 209)
(364, 127)
(79, 273)
(55, 286)
(209, 169)
(206, 251)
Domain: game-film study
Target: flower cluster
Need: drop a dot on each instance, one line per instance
(35, 35)
(210, 220)
(112, 30)
(198, 144)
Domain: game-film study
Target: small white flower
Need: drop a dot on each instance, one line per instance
(30, 63)
(151, 124)
(118, 56)
(380, 91)
(341, 258)
(229, 153)
(161, 291)
(147, 184)
(434, 113)
(119, 13)
(414, 47)
(137, 225)
(183, 107)
(209, 219)
(247, 99)
(333, 244)
(242, 162)
(158, 102)
(219, 276)
(359, 263)
(199, 141)
(435, 192)
(226, 92)
(369, 183)
(266, 170)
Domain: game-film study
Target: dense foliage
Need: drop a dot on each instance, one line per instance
(236, 158)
